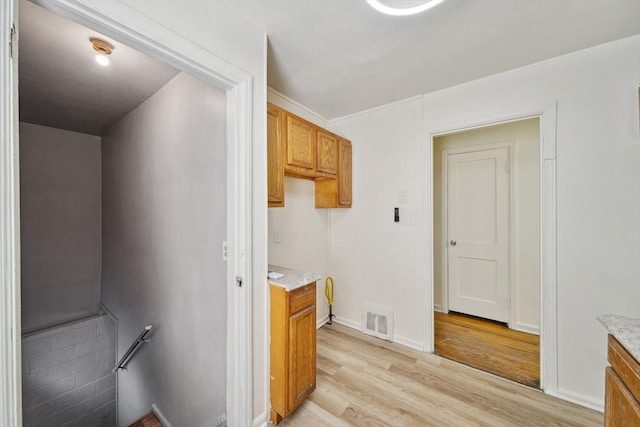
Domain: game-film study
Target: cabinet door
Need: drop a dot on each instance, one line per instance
(300, 143)
(620, 406)
(302, 356)
(275, 156)
(327, 154)
(344, 174)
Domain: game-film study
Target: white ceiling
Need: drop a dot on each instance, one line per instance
(338, 57)
(62, 86)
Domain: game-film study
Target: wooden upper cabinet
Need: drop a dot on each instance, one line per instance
(344, 174)
(275, 155)
(327, 152)
(301, 147)
(337, 193)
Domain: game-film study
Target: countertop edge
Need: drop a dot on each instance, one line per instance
(624, 329)
(292, 279)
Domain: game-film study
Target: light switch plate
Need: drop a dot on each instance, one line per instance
(276, 236)
(403, 196)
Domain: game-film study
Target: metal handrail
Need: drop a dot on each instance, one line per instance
(122, 364)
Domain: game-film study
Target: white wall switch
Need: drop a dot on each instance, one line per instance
(276, 236)
(403, 196)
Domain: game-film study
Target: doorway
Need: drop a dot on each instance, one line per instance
(487, 248)
(235, 86)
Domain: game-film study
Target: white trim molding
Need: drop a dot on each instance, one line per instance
(293, 106)
(548, 315)
(124, 24)
(578, 399)
(10, 368)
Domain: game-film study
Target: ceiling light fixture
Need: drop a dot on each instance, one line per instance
(403, 7)
(104, 50)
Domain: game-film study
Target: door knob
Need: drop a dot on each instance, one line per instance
(453, 243)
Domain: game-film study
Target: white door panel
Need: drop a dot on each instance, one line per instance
(478, 233)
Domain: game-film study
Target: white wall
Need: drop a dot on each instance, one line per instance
(164, 184)
(524, 137)
(598, 208)
(304, 230)
(373, 259)
(214, 26)
(304, 236)
(60, 225)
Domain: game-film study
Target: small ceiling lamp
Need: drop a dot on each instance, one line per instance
(103, 50)
(403, 7)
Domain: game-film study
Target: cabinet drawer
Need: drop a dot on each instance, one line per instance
(302, 298)
(625, 366)
(620, 407)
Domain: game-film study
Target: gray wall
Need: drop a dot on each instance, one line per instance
(164, 201)
(60, 191)
(66, 375)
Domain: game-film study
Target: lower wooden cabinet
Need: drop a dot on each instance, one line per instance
(292, 348)
(622, 387)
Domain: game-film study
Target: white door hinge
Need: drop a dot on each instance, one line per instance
(225, 251)
(12, 34)
(508, 166)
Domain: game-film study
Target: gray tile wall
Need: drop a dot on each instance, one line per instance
(66, 375)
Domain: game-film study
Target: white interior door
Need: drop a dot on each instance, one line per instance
(478, 233)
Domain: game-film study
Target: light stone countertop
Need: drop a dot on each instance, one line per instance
(626, 330)
(292, 279)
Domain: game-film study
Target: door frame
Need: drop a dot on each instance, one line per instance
(139, 32)
(445, 202)
(10, 359)
(546, 112)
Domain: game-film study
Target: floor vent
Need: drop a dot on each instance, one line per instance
(377, 321)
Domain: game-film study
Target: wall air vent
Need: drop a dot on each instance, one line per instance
(377, 321)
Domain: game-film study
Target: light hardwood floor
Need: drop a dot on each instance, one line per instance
(489, 346)
(364, 381)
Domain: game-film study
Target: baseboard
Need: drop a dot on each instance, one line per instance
(160, 416)
(437, 307)
(347, 323)
(260, 420)
(415, 345)
(525, 327)
(320, 323)
(578, 399)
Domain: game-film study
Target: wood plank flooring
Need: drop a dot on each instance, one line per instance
(148, 420)
(489, 346)
(364, 381)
